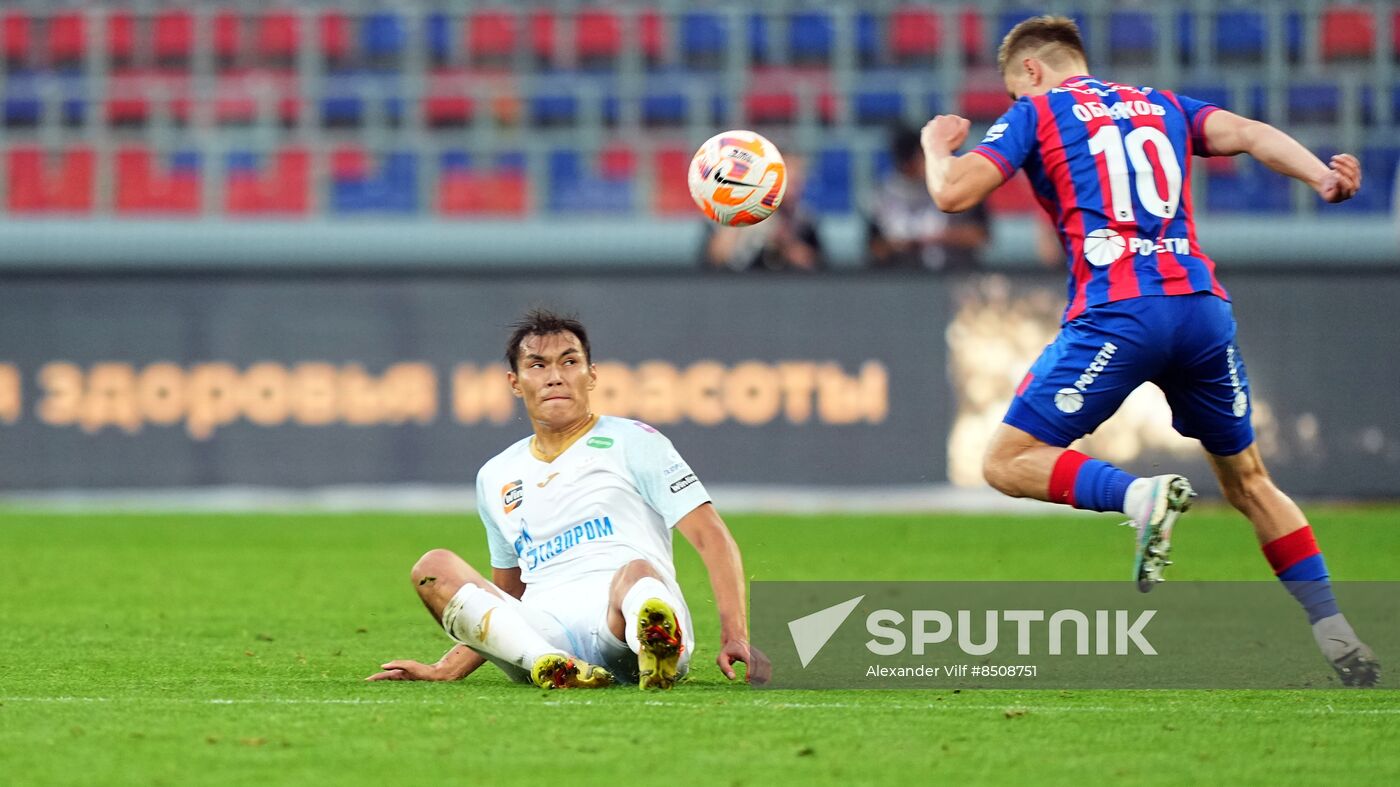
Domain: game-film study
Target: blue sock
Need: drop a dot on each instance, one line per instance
(1307, 580)
(1100, 486)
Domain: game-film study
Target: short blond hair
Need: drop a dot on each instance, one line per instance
(1054, 39)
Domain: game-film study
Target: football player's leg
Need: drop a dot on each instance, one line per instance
(1292, 551)
(647, 614)
(486, 619)
(1077, 383)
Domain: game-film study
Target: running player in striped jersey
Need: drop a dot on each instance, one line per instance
(1110, 164)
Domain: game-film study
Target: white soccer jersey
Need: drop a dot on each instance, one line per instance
(612, 497)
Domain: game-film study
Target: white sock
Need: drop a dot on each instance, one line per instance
(1137, 503)
(482, 621)
(645, 588)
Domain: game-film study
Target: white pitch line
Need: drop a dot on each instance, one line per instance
(757, 704)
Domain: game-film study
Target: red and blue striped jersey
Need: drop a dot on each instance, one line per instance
(1111, 164)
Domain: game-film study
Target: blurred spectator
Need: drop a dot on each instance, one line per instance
(786, 241)
(907, 231)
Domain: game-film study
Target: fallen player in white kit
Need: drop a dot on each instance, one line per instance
(578, 518)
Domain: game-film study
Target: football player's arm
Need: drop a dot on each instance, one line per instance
(704, 529)
(1227, 134)
(956, 183)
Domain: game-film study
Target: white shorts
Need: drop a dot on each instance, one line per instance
(574, 618)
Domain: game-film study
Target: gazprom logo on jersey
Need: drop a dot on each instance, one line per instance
(590, 530)
(1070, 400)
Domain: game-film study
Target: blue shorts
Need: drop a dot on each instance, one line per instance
(1185, 344)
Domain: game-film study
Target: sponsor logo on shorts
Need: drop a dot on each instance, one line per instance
(512, 495)
(683, 483)
(1241, 402)
(1071, 399)
(600, 442)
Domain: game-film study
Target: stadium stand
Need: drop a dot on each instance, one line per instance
(253, 108)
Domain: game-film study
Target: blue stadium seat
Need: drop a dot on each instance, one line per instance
(811, 36)
(1314, 103)
(877, 107)
(576, 188)
(439, 38)
(554, 109)
(1243, 35)
(664, 109)
(23, 111)
(393, 189)
(1132, 37)
(1249, 188)
(868, 44)
(342, 111)
(759, 51)
(829, 188)
(703, 39)
(382, 37)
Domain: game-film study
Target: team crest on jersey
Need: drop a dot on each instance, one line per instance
(512, 495)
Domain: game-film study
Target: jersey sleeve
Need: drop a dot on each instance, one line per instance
(1011, 139)
(502, 555)
(1196, 112)
(663, 478)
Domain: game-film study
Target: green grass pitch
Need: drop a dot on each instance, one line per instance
(229, 649)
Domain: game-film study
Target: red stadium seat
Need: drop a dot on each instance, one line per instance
(15, 33)
(335, 37)
(277, 38)
(597, 35)
(671, 190)
(771, 106)
(491, 36)
(983, 104)
(128, 111)
(36, 187)
(228, 38)
(974, 35)
(172, 38)
(915, 34)
(653, 35)
(446, 111)
(1348, 32)
(281, 187)
(542, 38)
(121, 38)
(66, 39)
(144, 188)
(349, 162)
(617, 162)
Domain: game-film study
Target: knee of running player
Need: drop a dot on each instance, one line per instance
(1002, 466)
(1247, 486)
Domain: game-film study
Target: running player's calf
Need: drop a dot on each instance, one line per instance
(1292, 551)
(1020, 465)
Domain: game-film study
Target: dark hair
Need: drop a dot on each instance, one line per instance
(1052, 37)
(905, 143)
(543, 322)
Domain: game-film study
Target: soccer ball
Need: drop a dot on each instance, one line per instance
(737, 178)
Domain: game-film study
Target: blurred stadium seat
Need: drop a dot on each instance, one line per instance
(583, 77)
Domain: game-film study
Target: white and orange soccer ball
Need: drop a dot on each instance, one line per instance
(738, 178)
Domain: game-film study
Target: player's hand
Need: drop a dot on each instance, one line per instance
(736, 650)
(407, 669)
(1343, 181)
(944, 134)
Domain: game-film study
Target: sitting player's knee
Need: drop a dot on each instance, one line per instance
(432, 565)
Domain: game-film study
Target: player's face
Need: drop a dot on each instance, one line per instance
(553, 378)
